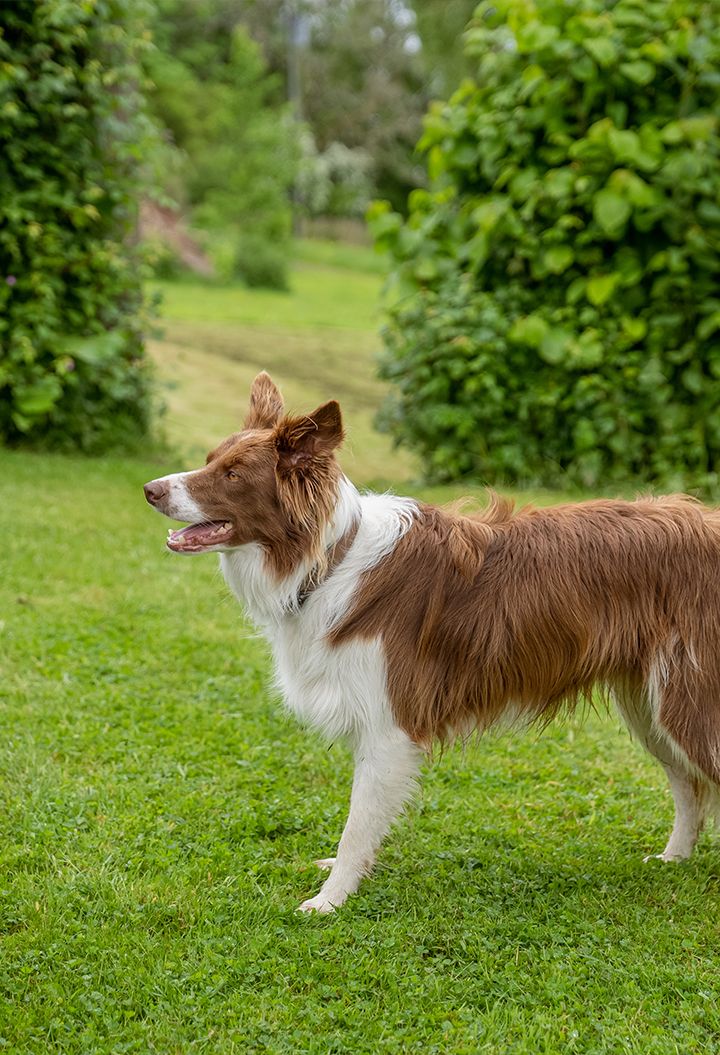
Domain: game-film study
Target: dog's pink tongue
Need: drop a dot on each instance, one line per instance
(197, 536)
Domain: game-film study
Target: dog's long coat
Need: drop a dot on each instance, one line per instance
(395, 624)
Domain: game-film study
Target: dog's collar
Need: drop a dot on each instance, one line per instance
(336, 554)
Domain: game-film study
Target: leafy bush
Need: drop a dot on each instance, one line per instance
(72, 371)
(558, 314)
(162, 259)
(261, 263)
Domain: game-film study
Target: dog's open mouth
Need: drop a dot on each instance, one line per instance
(197, 537)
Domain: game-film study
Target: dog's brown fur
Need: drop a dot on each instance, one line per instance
(482, 615)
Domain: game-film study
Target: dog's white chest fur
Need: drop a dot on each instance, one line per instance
(338, 690)
(341, 690)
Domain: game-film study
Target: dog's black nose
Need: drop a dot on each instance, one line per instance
(154, 491)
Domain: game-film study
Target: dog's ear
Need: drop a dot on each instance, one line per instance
(301, 441)
(266, 404)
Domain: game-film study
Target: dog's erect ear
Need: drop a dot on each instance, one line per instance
(301, 440)
(266, 403)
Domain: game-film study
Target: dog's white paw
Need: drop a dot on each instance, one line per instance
(319, 903)
(325, 863)
(664, 857)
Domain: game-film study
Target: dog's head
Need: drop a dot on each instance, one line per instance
(274, 483)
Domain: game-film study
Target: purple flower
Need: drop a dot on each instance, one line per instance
(69, 365)
(11, 280)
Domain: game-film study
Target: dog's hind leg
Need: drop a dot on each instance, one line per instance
(691, 797)
(690, 792)
(386, 768)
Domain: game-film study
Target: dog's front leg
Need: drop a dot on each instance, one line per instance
(385, 770)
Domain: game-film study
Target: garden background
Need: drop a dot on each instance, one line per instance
(183, 193)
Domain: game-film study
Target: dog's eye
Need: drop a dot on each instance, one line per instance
(231, 475)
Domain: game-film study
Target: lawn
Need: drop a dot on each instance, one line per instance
(160, 813)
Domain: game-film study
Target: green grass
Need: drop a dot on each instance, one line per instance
(160, 815)
(322, 296)
(160, 812)
(340, 255)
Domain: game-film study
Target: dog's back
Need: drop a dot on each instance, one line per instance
(527, 612)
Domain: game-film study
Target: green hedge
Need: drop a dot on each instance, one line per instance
(558, 311)
(72, 372)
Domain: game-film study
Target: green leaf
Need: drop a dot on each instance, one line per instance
(584, 435)
(636, 329)
(36, 399)
(588, 351)
(554, 346)
(693, 129)
(487, 215)
(425, 269)
(381, 220)
(576, 290)
(529, 330)
(693, 380)
(629, 185)
(559, 182)
(535, 35)
(602, 50)
(558, 258)
(639, 72)
(523, 183)
(710, 324)
(95, 350)
(628, 149)
(611, 211)
(601, 287)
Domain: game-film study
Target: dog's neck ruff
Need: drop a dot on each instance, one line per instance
(378, 521)
(335, 556)
(269, 602)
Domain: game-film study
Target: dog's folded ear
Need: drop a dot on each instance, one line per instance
(300, 441)
(266, 404)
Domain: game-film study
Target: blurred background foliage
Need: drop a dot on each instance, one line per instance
(552, 230)
(73, 130)
(226, 151)
(558, 317)
(202, 132)
(272, 113)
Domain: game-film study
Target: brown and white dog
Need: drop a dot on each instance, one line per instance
(396, 624)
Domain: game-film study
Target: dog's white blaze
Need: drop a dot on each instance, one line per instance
(179, 505)
(343, 690)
